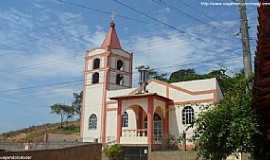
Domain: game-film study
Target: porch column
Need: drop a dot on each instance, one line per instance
(166, 124)
(150, 109)
(119, 121)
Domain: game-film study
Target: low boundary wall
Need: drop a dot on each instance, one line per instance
(79, 152)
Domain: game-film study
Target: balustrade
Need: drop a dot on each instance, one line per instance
(134, 133)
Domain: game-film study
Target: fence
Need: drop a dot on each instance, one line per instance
(67, 151)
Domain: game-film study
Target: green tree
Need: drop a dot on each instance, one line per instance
(158, 75)
(223, 79)
(228, 127)
(77, 103)
(184, 75)
(62, 110)
(69, 112)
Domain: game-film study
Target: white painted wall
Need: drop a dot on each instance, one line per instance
(93, 105)
(135, 102)
(182, 96)
(175, 121)
(157, 88)
(94, 93)
(93, 96)
(158, 103)
(111, 127)
(95, 51)
(121, 52)
(197, 85)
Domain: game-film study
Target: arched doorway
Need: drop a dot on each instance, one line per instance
(157, 130)
(134, 125)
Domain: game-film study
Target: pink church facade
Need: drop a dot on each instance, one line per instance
(115, 112)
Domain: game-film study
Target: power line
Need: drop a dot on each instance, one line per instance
(40, 86)
(191, 7)
(106, 12)
(36, 66)
(155, 19)
(78, 38)
(179, 10)
(100, 11)
(42, 92)
(190, 16)
(80, 80)
(158, 21)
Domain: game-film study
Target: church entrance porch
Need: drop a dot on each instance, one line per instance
(147, 122)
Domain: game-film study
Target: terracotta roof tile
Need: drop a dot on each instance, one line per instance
(111, 40)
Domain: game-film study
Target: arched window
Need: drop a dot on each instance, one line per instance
(92, 122)
(95, 78)
(125, 119)
(120, 65)
(119, 79)
(187, 115)
(96, 63)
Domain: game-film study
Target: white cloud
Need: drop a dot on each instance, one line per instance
(159, 50)
(188, 51)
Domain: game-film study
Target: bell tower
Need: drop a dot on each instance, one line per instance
(108, 67)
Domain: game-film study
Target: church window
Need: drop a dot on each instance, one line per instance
(119, 79)
(187, 115)
(96, 63)
(92, 122)
(125, 119)
(95, 78)
(120, 65)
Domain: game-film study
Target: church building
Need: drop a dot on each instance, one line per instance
(116, 112)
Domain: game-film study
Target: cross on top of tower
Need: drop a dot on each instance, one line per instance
(113, 16)
(111, 40)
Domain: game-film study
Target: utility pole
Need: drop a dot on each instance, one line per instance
(245, 39)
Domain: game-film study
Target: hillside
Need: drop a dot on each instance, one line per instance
(70, 131)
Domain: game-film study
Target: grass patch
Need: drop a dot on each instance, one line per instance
(36, 133)
(67, 130)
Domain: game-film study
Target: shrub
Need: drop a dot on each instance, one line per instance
(113, 152)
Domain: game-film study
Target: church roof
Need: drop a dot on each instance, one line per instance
(140, 96)
(111, 40)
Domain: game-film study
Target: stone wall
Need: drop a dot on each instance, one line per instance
(79, 152)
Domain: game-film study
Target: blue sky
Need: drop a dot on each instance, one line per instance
(42, 43)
